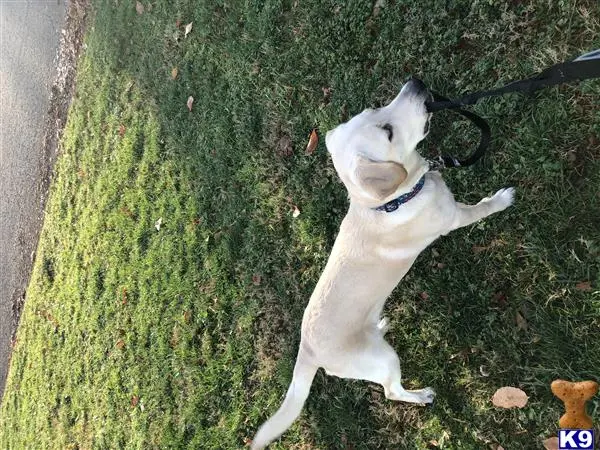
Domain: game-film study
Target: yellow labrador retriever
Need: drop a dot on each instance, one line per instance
(397, 208)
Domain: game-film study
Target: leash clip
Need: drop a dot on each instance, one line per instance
(436, 164)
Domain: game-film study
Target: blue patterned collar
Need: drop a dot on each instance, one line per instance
(394, 204)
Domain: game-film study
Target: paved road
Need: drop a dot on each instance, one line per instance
(29, 38)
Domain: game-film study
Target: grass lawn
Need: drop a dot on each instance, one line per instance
(171, 276)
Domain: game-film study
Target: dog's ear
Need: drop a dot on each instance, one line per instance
(379, 178)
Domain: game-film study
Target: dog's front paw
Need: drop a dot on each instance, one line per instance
(503, 198)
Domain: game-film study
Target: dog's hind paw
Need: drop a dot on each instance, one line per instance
(427, 394)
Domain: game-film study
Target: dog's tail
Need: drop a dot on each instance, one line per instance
(304, 372)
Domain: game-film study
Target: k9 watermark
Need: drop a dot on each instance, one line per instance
(576, 439)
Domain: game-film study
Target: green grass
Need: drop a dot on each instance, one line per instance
(184, 337)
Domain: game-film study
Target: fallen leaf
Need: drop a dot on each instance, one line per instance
(174, 72)
(178, 23)
(256, 279)
(509, 397)
(441, 265)
(484, 371)
(296, 212)
(584, 286)
(122, 130)
(158, 224)
(187, 316)
(139, 8)
(313, 140)
(190, 102)
(134, 400)
(424, 295)
(188, 28)
(551, 443)
(521, 322)
(120, 344)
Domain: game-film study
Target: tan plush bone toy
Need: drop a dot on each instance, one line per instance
(574, 396)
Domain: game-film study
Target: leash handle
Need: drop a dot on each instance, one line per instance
(584, 67)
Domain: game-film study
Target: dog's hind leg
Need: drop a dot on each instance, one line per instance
(377, 361)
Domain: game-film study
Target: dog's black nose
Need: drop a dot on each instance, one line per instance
(418, 84)
(416, 87)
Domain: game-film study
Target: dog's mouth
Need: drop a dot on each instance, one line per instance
(426, 129)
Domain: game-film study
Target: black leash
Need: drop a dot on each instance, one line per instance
(585, 67)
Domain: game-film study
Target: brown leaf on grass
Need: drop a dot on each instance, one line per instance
(521, 322)
(584, 286)
(122, 130)
(188, 29)
(124, 296)
(120, 344)
(256, 279)
(551, 443)
(177, 23)
(509, 397)
(135, 400)
(190, 103)
(424, 295)
(296, 212)
(313, 141)
(187, 316)
(174, 72)
(139, 8)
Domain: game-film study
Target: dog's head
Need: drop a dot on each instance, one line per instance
(374, 152)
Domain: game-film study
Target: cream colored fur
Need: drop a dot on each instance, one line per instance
(342, 329)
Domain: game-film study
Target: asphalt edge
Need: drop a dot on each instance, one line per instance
(61, 94)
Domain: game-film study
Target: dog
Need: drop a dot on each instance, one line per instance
(397, 208)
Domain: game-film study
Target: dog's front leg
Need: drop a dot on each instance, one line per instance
(468, 214)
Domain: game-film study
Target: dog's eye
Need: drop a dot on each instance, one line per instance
(390, 130)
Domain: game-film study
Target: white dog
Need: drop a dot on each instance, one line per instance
(397, 208)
